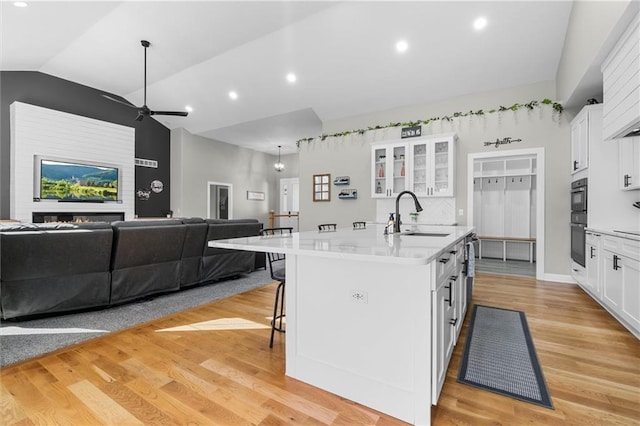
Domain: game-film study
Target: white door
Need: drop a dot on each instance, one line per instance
(289, 202)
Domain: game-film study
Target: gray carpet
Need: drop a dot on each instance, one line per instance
(499, 356)
(20, 340)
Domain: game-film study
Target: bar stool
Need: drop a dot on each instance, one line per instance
(278, 273)
(359, 225)
(327, 227)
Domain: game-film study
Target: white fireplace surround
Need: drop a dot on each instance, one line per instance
(38, 132)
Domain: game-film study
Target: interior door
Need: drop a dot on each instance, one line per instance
(289, 202)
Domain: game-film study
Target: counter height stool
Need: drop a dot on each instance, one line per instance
(327, 227)
(359, 225)
(278, 273)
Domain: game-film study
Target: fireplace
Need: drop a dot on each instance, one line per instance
(43, 217)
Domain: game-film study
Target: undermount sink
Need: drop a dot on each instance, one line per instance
(425, 234)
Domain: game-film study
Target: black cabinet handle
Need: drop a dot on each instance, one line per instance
(627, 180)
(453, 277)
(453, 321)
(615, 262)
(575, 165)
(444, 260)
(449, 299)
(592, 252)
(453, 251)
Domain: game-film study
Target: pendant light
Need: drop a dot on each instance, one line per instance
(279, 166)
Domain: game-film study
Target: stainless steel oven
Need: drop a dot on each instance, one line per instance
(579, 196)
(578, 220)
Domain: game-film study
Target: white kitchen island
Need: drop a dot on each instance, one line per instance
(372, 318)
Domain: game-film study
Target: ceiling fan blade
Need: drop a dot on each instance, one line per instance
(178, 113)
(119, 101)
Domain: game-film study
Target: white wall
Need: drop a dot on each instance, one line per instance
(592, 30)
(196, 160)
(37, 131)
(537, 128)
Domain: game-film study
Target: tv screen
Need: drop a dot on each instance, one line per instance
(64, 180)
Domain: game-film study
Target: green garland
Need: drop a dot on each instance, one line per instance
(529, 105)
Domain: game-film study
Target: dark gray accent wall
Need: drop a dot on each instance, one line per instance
(153, 140)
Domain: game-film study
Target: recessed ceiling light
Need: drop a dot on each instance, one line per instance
(402, 46)
(188, 108)
(20, 4)
(291, 77)
(480, 23)
(233, 95)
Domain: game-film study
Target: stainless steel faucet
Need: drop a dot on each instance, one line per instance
(396, 227)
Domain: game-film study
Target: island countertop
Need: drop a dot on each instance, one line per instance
(368, 244)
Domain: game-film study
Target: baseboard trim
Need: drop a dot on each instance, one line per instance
(559, 278)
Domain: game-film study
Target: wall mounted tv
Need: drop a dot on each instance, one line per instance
(68, 180)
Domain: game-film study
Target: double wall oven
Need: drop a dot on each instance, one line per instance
(578, 220)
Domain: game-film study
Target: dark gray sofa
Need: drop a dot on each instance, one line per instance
(218, 263)
(54, 268)
(47, 269)
(146, 258)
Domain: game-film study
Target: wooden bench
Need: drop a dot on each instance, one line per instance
(506, 240)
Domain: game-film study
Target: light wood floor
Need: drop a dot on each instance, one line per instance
(201, 375)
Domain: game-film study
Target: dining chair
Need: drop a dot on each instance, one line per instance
(327, 227)
(278, 273)
(359, 225)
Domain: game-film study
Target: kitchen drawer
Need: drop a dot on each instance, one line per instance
(445, 266)
(622, 246)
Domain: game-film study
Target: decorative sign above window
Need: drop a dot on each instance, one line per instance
(322, 187)
(411, 132)
(503, 141)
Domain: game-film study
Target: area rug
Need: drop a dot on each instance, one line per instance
(499, 356)
(21, 340)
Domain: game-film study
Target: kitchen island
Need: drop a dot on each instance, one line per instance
(372, 317)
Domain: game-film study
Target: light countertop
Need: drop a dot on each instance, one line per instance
(622, 233)
(368, 244)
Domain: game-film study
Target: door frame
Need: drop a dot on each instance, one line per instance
(538, 153)
(230, 188)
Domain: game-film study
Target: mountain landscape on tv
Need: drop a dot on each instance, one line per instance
(68, 181)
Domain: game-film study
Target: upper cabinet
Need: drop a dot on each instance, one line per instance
(389, 169)
(629, 163)
(432, 166)
(586, 129)
(424, 166)
(621, 84)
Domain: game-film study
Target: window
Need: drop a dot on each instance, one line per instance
(322, 187)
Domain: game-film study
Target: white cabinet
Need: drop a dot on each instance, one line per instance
(580, 142)
(592, 281)
(389, 170)
(621, 279)
(424, 166)
(449, 308)
(621, 85)
(629, 163)
(586, 129)
(432, 169)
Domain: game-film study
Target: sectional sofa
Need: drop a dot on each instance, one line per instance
(55, 268)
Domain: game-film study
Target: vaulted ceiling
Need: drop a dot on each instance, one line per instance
(342, 53)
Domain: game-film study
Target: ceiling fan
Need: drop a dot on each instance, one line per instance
(144, 110)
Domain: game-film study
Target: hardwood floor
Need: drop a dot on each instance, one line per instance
(189, 368)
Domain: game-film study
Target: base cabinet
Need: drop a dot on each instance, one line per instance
(592, 281)
(449, 308)
(613, 276)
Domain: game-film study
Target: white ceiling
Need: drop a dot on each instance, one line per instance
(342, 53)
